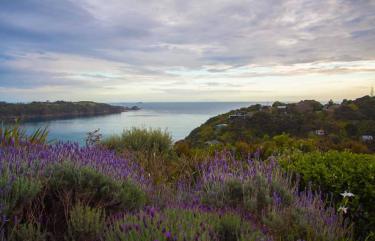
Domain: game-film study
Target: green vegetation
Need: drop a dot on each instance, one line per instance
(15, 135)
(85, 223)
(152, 142)
(90, 187)
(153, 149)
(252, 183)
(329, 147)
(333, 173)
(342, 126)
(182, 224)
(58, 109)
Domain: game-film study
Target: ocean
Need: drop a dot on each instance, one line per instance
(178, 118)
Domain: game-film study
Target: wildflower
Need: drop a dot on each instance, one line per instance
(347, 194)
(168, 235)
(343, 209)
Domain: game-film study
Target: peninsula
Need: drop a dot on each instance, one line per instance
(57, 109)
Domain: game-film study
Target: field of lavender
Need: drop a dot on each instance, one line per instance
(63, 191)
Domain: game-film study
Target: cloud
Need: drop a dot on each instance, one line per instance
(125, 45)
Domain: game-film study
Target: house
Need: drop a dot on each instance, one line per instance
(221, 126)
(213, 142)
(331, 108)
(238, 115)
(320, 132)
(367, 138)
(282, 108)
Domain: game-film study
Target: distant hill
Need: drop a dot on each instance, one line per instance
(349, 125)
(10, 111)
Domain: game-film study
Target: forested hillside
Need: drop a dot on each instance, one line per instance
(9, 111)
(309, 124)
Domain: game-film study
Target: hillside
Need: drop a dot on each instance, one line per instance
(9, 111)
(349, 125)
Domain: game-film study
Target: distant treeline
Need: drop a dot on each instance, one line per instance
(11, 111)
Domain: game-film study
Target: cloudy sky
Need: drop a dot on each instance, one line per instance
(212, 50)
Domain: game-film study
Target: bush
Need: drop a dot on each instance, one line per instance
(29, 232)
(84, 184)
(333, 173)
(43, 187)
(229, 228)
(181, 224)
(151, 141)
(150, 224)
(255, 194)
(262, 191)
(85, 223)
(18, 193)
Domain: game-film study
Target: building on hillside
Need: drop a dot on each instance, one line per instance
(331, 108)
(320, 132)
(238, 115)
(221, 126)
(367, 138)
(282, 108)
(213, 142)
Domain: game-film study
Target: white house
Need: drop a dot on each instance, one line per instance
(367, 138)
(220, 126)
(320, 132)
(237, 115)
(213, 142)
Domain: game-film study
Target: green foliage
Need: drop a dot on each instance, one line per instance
(151, 148)
(228, 228)
(15, 135)
(335, 172)
(85, 223)
(172, 224)
(29, 232)
(84, 184)
(254, 195)
(179, 225)
(343, 126)
(21, 193)
(56, 196)
(292, 225)
(151, 141)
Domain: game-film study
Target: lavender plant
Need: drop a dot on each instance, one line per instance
(264, 193)
(79, 193)
(42, 184)
(182, 224)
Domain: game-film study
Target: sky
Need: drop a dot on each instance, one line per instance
(211, 50)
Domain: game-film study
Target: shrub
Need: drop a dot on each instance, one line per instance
(41, 186)
(85, 223)
(263, 191)
(181, 224)
(150, 224)
(18, 193)
(151, 148)
(255, 193)
(151, 141)
(29, 232)
(333, 173)
(228, 228)
(84, 184)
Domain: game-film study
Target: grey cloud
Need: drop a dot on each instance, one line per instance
(151, 37)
